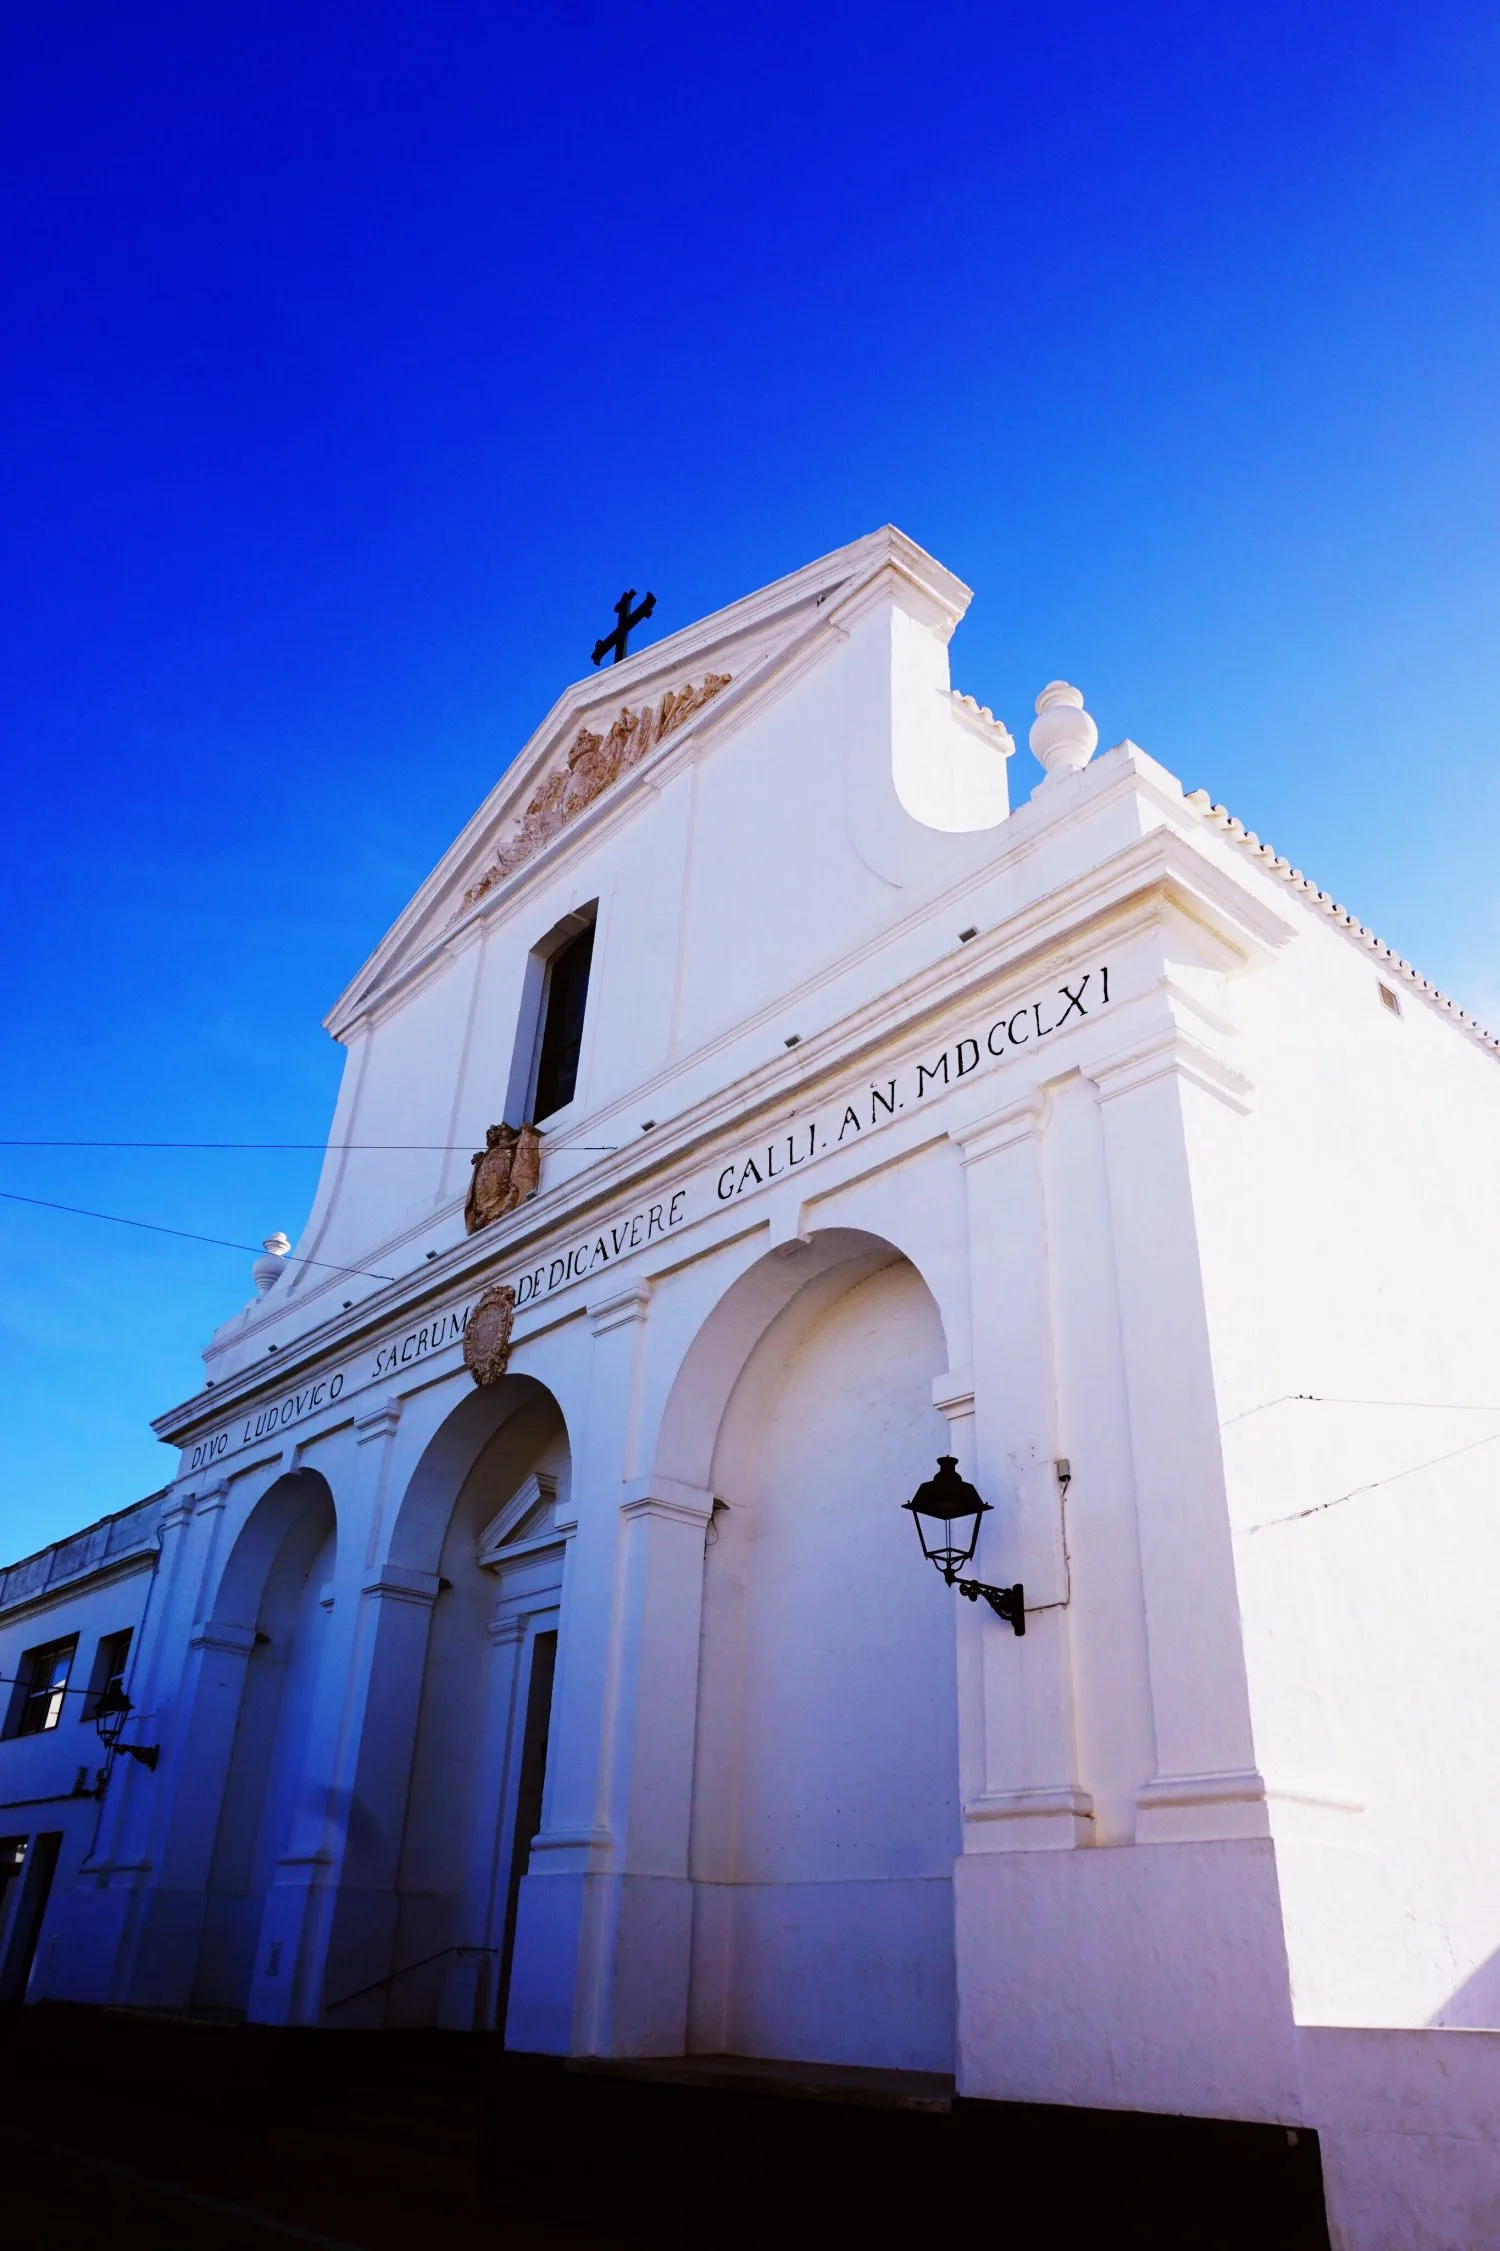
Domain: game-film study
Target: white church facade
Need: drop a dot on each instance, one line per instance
(533, 1636)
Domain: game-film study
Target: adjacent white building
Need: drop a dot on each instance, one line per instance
(610, 1702)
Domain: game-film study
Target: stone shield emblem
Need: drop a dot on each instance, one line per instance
(487, 1337)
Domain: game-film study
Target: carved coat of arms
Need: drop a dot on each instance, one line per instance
(487, 1337)
(506, 1171)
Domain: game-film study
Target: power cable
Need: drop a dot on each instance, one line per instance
(1319, 1508)
(429, 1148)
(1320, 1399)
(183, 1234)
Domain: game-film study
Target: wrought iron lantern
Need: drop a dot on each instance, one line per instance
(110, 1714)
(947, 1512)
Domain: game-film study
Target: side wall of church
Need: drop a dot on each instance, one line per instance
(1350, 1226)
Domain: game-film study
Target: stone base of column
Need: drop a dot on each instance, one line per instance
(1135, 1977)
(601, 1965)
(159, 1943)
(287, 1982)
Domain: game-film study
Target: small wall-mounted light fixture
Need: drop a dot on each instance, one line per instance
(793, 1039)
(110, 1714)
(432, 1254)
(648, 1125)
(965, 935)
(947, 1511)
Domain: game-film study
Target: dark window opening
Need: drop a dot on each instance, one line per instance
(36, 1868)
(110, 1661)
(44, 1676)
(12, 1861)
(532, 1783)
(562, 1024)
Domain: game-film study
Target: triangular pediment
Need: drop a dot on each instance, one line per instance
(529, 1514)
(605, 734)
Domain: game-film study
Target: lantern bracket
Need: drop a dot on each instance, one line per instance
(1008, 1603)
(111, 1713)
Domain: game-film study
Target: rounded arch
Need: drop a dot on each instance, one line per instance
(825, 1815)
(264, 1648)
(299, 1496)
(495, 1474)
(809, 1276)
(465, 1433)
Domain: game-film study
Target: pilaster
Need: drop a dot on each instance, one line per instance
(1206, 1786)
(354, 1864)
(604, 1928)
(1017, 1739)
(154, 1846)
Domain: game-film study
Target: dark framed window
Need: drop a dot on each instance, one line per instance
(110, 1660)
(12, 1861)
(563, 1005)
(44, 1681)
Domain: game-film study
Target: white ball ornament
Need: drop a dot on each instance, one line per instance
(1063, 737)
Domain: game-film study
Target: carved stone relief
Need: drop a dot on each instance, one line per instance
(592, 764)
(506, 1171)
(487, 1337)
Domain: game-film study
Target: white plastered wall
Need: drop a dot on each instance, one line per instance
(1350, 1226)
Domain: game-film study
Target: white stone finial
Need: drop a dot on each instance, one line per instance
(1063, 736)
(271, 1264)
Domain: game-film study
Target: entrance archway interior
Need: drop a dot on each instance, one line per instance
(826, 1813)
(479, 1764)
(279, 1584)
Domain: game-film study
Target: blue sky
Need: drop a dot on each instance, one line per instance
(358, 357)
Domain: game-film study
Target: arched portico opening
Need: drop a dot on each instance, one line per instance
(825, 1795)
(489, 1510)
(264, 1645)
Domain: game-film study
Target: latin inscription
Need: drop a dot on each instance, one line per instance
(589, 1256)
(445, 1328)
(920, 1079)
(843, 1123)
(267, 1420)
(596, 1251)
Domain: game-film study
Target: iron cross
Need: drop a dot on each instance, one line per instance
(629, 619)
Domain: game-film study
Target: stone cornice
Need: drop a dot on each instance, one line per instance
(1158, 872)
(1306, 891)
(1170, 1052)
(123, 1542)
(45, 1598)
(669, 1498)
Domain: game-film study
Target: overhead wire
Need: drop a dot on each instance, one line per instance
(430, 1148)
(220, 1242)
(186, 1235)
